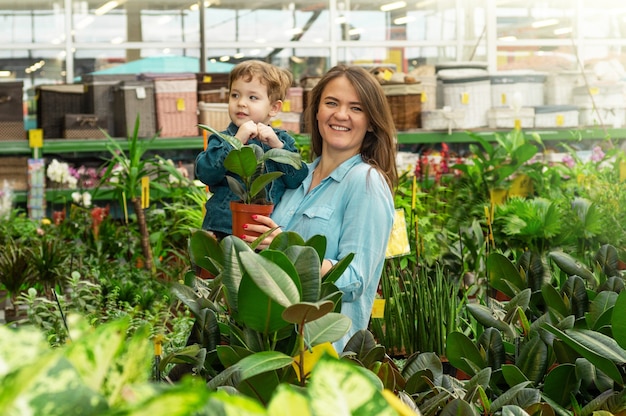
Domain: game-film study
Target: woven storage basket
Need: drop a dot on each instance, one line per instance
(556, 116)
(507, 118)
(99, 95)
(470, 90)
(11, 101)
(84, 126)
(289, 121)
(212, 81)
(405, 103)
(601, 95)
(176, 104)
(54, 102)
(602, 116)
(214, 115)
(523, 88)
(15, 171)
(12, 130)
(294, 100)
(559, 86)
(213, 96)
(134, 99)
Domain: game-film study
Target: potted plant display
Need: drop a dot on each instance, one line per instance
(249, 178)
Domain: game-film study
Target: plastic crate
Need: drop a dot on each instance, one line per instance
(556, 116)
(521, 88)
(508, 118)
(614, 117)
(214, 115)
(443, 119)
(601, 95)
(470, 90)
(54, 102)
(99, 95)
(132, 99)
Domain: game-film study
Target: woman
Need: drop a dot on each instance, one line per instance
(347, 195)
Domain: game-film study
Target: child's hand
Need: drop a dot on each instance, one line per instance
(267, 135)
(246, 131)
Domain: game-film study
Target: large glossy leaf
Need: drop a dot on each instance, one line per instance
(329, 328)
(360, 343)
(513, 375)
(271, 278)
(241, 162)
(307, 265)
(607, 258)
(285, 240)
(458, 407)
(571, 266)
(288, 400)
(257, 310)
(618, 322)
(424, 361)
(485, 316)
(205, 251)
(490, 341)
(533, 264)
(337, 270)
(284, 157)
(262, 362)
(503, 275)
(340, 388)
(601, 310)
(508, 396)
(460, 348)
(305, 312)
(553, 300)
(575, 290)
(231, 276)
(533, 359)
(600, 350)
(560, 383)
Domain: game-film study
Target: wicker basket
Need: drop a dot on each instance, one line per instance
(507, 118)
(405, 103)
(12, 130)
(214, 115)
(99, 95)
(85, 126)
(213, 96)
(15, 171)
(443, 119)
(134, 99)
(556, 116)
(525, 86)
(470, 90)
(289, 121)
(54, 102)
(11, 101)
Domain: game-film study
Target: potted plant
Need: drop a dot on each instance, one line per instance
(246, 163)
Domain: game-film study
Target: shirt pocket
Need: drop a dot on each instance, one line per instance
(317, 218)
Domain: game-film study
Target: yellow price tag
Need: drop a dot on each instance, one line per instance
(465, 98)
(287, 106)
(560, 120)
(180, 104)
(145, 192)
(378, 308)
(35, 138)
(503, 98)
(423, 97)
(387, 74)
(594, 91)
(518, 124)
(622, 170)
(207, 78)
(277, 123)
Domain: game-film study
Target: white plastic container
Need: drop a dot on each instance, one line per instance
(556, 116)
(468, 90)
(517, 88)
(508, 118)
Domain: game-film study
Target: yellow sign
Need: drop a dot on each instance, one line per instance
(503, 99)
(560, 120)
(35, 138)
(286, 106)
(518, 124)
(207, 78)
(378, 308)
(180, 104)
(423, 97)
(145, 192)
(465, 98)
(398, 244)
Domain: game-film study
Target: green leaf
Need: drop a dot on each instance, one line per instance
(618, 322)
(533, 359)
(329, 328)
(485, 316)
(460, 348)
(600, 350)
(205, 251)
(337, 270)
(262, 362)
(270, 278)
(553, 300)
(304, 312)
(513, 375)
(241, 162)
(257, 310)
(283, 156)
(307, 264)
(458, 407)
(560, 383)
(601, 310)
(503, 271)
(259, 183)
(571, 266)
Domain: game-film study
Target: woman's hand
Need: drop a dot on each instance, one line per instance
(262, 225)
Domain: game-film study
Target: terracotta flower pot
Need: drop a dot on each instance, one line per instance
(242, 214)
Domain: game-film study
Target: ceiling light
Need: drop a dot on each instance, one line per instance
(393, 6)
(117, 40)
(294, 31)
(403, 20)
(5, 74)
(424, 3)
(225, 58)
(239, 55)
(544, 23)
(106, 7)
(355, 31)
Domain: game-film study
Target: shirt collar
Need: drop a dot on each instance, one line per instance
(342, 170)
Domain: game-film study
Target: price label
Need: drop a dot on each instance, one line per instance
(465, 98)
(180, 104)
(378, 308)
(145, 192)
(35, 138)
